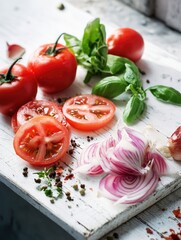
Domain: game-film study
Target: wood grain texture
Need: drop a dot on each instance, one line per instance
(88, 217)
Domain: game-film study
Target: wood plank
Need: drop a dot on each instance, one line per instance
(89, 217)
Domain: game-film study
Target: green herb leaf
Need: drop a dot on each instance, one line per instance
(166, 94)
(73, 44)
(110, 87)
(115, 65)
(94, 36)
(130, 76)
(91, 51)
(48, 193)
(134, 109)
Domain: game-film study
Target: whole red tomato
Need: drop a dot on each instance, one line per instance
(17, 87)
(54, 66)
(126, 42)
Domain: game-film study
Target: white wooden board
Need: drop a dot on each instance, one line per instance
(33, 23)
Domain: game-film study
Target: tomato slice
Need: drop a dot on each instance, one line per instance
(41, 141)
(88, 112)
(36, 108)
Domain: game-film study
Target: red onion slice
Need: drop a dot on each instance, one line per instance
(125, 156)
(88, 162)
(128, 189)
(159, 162)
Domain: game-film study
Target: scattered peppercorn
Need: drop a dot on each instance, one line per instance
(59, 184)
(38, 180)
(25, 172)
(71, 151)
(52, 174)
(89, 138)
(68, 195)
(147, 80)
(52, 200)
(82, 192)
(73, 143)
(61, 6)
(75, 187)
(82, 186)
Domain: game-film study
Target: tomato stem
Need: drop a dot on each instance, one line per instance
(55, 44)
(8, 77)
(52, 51)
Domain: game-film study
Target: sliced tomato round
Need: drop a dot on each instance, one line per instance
(42, 141)
(37, 108)
(88, 112)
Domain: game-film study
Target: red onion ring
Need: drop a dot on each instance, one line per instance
(128, 189)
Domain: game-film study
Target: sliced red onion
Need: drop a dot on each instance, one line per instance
(88, 162)
(125, 156)
(159, 162)
(132, 167)
(15, 51)
(128, 189)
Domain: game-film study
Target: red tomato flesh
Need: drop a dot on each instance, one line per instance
(37, 108)
(88, 112)
(41, 141)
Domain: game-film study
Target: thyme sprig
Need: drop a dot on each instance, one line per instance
(50, 183)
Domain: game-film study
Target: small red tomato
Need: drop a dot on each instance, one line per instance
(54, 66)
(17, 87)
(126, 42)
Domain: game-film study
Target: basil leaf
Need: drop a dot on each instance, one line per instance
(166, 94)
(119, 65)
(114, 65)
(110, 87)
(94, 35)
(134, 109)
(73, 43)
(130, 76)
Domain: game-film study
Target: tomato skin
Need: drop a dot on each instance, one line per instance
(126, 42)
(53, 73)
(22, 89)
(88, 112)
(41, 141)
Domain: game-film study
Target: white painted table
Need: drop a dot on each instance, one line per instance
(32, 23)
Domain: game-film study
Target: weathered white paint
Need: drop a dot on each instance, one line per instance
(32, 24)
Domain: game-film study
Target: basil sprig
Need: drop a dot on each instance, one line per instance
(118, 74)
(92, 51)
